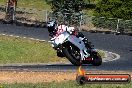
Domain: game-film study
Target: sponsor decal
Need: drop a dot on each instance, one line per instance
(83, 77)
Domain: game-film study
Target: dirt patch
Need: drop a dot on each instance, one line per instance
(41, 77)
(35, 77)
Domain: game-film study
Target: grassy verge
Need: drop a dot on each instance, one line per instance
(37, 4)
(19, 50)
(3, 2)
(68, 84)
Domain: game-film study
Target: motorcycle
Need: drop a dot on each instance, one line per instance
(75, 50)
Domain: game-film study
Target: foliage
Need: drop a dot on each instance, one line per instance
(102, 22)
(111, 23)
(112, 11)
(114, 8)
(69, 10)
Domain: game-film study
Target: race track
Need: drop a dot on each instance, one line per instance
(120, 44)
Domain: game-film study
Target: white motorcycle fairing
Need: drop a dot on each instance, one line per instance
(60, 38)
(80, 44)
(65, 36)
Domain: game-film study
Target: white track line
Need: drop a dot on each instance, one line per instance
(24, 37)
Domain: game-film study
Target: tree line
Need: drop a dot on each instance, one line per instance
(106, 8)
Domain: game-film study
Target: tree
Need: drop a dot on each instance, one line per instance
(68, 10)
(114, 8)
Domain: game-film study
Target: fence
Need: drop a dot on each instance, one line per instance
(31, 14)
(91, 22)
(107, 23)
(26, 14)
(35, 15)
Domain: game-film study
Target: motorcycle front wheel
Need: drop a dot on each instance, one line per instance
(72, 53)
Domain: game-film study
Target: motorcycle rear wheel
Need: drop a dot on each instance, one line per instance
(97, 60)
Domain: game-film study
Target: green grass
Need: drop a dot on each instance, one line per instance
(18, 50)
(3, 2)
(69, 84)
(37, 4)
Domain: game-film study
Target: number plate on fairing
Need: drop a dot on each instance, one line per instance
(61, 38)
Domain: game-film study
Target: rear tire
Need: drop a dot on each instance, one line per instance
(97, 60)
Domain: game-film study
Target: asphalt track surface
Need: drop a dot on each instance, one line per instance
(120, 44)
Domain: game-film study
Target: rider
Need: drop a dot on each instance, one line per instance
(55, 29)
(51, 25)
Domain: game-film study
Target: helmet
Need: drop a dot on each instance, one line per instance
(51, 25)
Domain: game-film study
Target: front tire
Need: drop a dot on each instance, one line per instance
(70, 57)
(60, 54)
